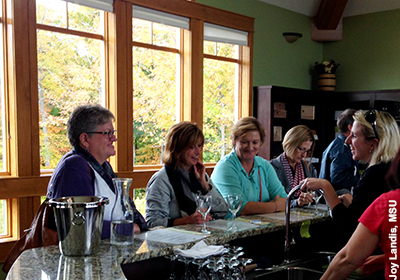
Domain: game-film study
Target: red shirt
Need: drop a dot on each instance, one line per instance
(381, 218)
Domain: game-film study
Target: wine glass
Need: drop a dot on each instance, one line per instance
(317, 196)
(234, 203)
(204, 206)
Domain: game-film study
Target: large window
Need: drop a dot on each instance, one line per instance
(219, 99)
(151, 72)
(155, 87)
(70, 52)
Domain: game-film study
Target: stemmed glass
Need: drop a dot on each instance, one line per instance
(187, 275)
(201, 263)
(234, 202)
(173, 259)
(204, 206)
(244, 262)
(317, 196)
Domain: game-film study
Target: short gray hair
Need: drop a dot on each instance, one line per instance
(86, 118)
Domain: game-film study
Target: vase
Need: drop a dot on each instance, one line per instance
(326, 82)
(122, 217)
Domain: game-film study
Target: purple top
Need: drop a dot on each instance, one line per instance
(73, 176)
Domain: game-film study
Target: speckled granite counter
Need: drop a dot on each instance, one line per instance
(47, 262)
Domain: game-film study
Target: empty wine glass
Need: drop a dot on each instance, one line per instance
(204, 206)
(173, 259)
(317, 196)
(234, 203)
(201, 263)
(187, 275)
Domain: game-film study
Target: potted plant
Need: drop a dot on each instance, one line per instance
(326, 67)
(326, 74)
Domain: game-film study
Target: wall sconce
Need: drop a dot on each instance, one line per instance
(292, 37)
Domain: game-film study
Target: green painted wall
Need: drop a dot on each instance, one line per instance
(276, 62)
(369, 53)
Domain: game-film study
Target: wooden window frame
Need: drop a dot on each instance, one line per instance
(24, 185)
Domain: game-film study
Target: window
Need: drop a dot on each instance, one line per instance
(156, 81)
(77, 63)
(70, 52)
(219, 99)
(221, 84)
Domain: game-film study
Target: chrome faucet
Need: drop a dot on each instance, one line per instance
(287, 223)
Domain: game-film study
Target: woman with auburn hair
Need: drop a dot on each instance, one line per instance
(245, 173)
(171, 192)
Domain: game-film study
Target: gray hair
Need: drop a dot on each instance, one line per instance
(86, 118)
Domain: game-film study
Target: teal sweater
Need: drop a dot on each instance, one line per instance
(229, 176)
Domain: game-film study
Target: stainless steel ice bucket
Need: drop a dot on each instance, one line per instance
(79, 221)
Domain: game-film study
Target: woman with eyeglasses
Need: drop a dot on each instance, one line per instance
(85, 171)
(291, 166)
(374, 139)
(245, 173)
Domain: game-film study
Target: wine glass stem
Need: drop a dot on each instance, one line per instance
(204, 223)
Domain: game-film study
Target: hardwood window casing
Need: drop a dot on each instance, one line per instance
(24, 184)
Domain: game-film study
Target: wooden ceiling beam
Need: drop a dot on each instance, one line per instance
(329, 14)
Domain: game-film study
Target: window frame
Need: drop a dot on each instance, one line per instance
(24, 185)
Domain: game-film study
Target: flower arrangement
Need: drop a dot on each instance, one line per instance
(326, 67)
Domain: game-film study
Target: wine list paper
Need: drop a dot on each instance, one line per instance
(171, 236)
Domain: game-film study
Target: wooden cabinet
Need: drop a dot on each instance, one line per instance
(323, 104)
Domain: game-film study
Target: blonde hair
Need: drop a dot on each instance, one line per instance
(180, 137)
(295, 137)
(246, 125)
(388, 133)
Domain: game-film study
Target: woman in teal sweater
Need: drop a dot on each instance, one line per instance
(243, 172)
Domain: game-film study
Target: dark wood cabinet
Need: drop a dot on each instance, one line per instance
(324, 103)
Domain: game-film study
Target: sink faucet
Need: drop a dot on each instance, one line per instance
(287, 223)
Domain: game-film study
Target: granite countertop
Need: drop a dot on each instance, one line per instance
(47, 262)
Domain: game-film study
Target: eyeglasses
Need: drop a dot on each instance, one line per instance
(370, 116)
(302, 150)
(110, 133)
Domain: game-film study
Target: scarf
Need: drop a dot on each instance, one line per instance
(298, 173)
(104, 170)
(185, 203)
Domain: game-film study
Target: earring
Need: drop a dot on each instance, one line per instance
(87, 149)
(370, 151)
